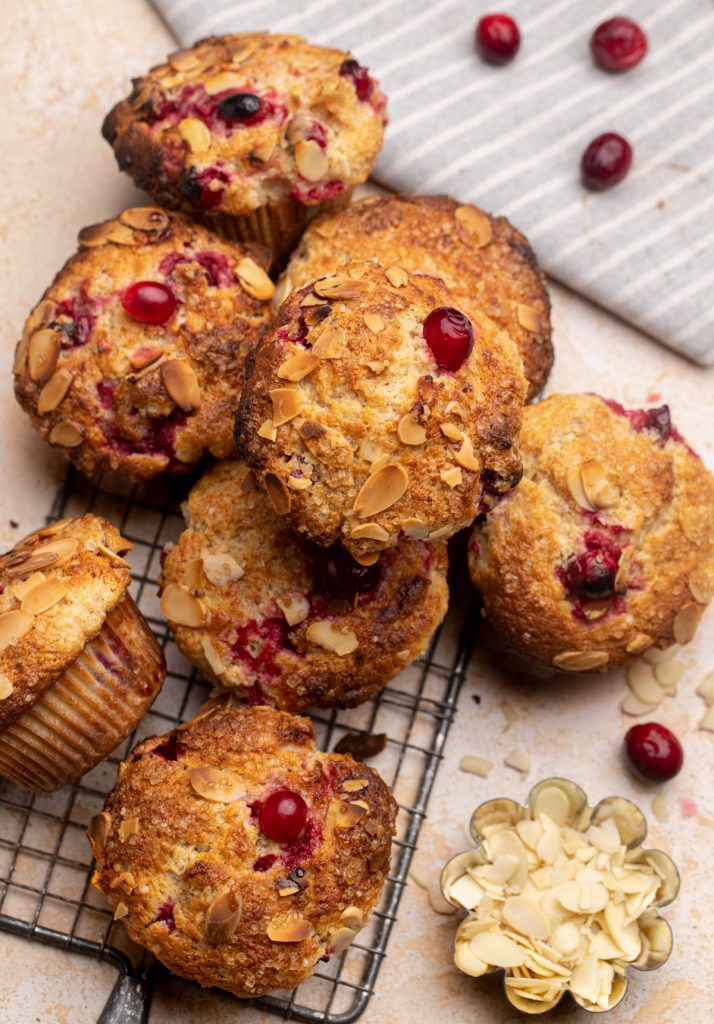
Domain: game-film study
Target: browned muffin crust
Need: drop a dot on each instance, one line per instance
(607, 545)
(354, 429)
(178, 842)
(316, 135)
(57, 586)
(141, 399)
(485, 260)
(249, 603)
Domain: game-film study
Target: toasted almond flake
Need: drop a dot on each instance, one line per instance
(215, 785)
(54, 392)
(14, 625)
(443, 531)
(184, 60)
(299, 366)
(222, 81)
(195, 134)
(95, 235)
(373, 322)
(519, 760)
(451, 431)
(580, 661)
(278, 493)
(341, 939)
(113, 556)
(254, 280)
(707, 722)
(633, 706)
(327, 634)
(241, 49)
(141, 96)
(98, 832)
(221, 568)
(415, 528)
(294, 930)
(660, 808)
(181, 383)
(120, 234)
(476, 223)
(528, 317)
(354, 785)
(181, 608)
(376, 365)
(349, 812)
(410, 431)
(639, 643)
(44, 596)
(352, 917)
(60, 551)
(286, 405)
(598, 490)
(311, 300)
(643, 683)
(315, 315)
(43, 312)
(268, 430)
(145, 218)
(265, 147)
(700, 592)
(693, 524)
(454, 409)
(475, 765)
(121, 911)
(379, 462)
(223, 917)
(66, 435)
(575, 486)
(465, 455)
(128, 827)
(369, 531)
(397, 276)
(294, 605)
(668, 673)
(6, 687)
(367, 559)
(212, 656)
(311, 159)
(299, 483)
(339, 287)
(43, 353)
(685, 623)
(20, 362)
(452, 477)
(382, 489)
(331, 344)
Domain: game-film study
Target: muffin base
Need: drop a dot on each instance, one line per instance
(90, 709)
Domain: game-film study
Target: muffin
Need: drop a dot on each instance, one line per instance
(377, 410)
(607, 546)
(78, 664)
(133, 360)
(239, 854)
(485, 261)
(251, 130)
(279, 621)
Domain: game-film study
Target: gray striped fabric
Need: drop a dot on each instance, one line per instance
(510, 138)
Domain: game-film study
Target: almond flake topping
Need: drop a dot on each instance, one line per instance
(278, 493)
(685, 623)
(528, 317)
(43, 353)
(299, 366)
(453, 477)
(54, 392)
(294, 930)
(128, 827)
(580, 661)
(221, 568)
(268, 430)
(6, 687)
(223, 917)
(465, 456)
(213, 784)
(382, 489)
(145, 218)
(13, 627)
(66, 435)
(410, 431)
(327, 634)
(331, 344)
(44, 596)
(373, 322)
(415, 528)
(397, 276)
(369, 531)
(222, 81)
(181, 383)
(476, 223)
(311, 159)
(254, 280)
(339, 287)
(195, 134)
(294, 605)
(98, 832)
(286, 405)
(181, 608)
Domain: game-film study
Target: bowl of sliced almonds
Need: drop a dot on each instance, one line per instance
(561, 896)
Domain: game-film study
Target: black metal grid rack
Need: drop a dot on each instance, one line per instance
(45, 863)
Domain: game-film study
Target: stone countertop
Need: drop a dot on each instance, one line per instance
(65, 63)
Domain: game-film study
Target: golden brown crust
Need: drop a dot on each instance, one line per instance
(653, 513)
(103, 394)
(76, 565)
(239, 559)
(169, 853)
(314, 137)
(375, 419)
(484, 260)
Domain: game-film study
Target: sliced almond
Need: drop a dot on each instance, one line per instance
(352, 917)
(223, 81)
(195, 134)
(528, 317)
(294, 930)
(381, 490)
(452, 477)
(58, 551)
(254, 280)
(43, 312)
(215, 785)
(268, 430)
(311, 160)
(328, 635)
(331, 344)
(223, 917)
(181, 383)
(410, 431)
(497, 950)
(700, 592)
(349, 813)
(465, 456)
(44, 596)
(264, 148)
(599, 492)
(373, 322)
(278, 493)
(686, 622)
(315, 315)
(339, 287)
(632, 705)
(286, 405)
(369, 531)
(20, 362)
(212, 656)
(120, 234)
(144, 357)
(354, 786)
(66, 435)
(580, 661)
(397, 276)
(181, 608)
(476, 223)
(454, 409)
(367, 559)
(376, 365)
(577, 491)
(451, 431)
(42, 355)
(54, 392)
(643, 683)
(526, 917)
(98, 833)
(707, 722)
(120, 911)
(415, 528)
(221, 568)
(299, 483)
(6, 687)
(95, 235)
(311, 300)
(184, 60)
(294, 605)
(193, 574)
(129, 827)
(14, 626)
(640, 642)
(341, 939)
(145, 218)
(299, 366)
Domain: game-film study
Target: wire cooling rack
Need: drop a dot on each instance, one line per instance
(46, 893)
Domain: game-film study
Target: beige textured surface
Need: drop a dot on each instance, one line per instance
(65, 61)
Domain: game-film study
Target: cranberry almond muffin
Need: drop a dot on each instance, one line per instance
(280, 621)
(377, 410)
(133, 360)
(239, 854)
(623, 558)
(485, 261)
(78, 664)
(251, 130)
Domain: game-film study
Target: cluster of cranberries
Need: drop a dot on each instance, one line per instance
(617, 44)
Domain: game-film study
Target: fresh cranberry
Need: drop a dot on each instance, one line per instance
(618, 44)
(149, 302)
(240, 106)
(654, 751)
(449, 335)
(360, 79)
(605, 162)
(345, 575)
(169, 750)
(497, 38)
(282, 816)
(592, 574)
(165, 914)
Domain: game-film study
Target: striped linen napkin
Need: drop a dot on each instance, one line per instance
(510, 138)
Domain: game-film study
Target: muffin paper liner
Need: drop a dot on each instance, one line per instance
(90, 709)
